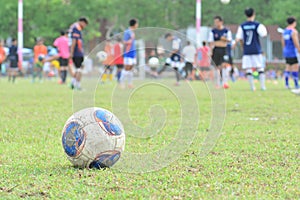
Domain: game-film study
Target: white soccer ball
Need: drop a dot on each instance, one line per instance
(102, 56)
(153, 62)
(225, 1)
(93, 138)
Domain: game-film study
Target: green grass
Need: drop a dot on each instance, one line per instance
(251, 160)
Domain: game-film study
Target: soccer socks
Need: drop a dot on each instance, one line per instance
(224, 76)
(130, 77)
(295, 76)
(218, 78)
(286, 77)
(262, 80)
(119, 73)
(110, 77)
(104, 77)
(250, 79)
(63, 76)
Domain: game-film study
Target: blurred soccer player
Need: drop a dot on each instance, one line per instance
(203, 61)
(77, 52)
(290, 44)
(109, 61)
(39, 49)
(62, 45)
(189, 52)
(218, 40)
(175, 58)
(130, 53)
(14, 61)
(2, 56)
(118, 58)
(248, 34)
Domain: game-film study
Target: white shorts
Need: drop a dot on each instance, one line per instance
(173, 64)
(253, 61)
(129, 61)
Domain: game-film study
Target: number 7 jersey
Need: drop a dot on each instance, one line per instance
(249, 32)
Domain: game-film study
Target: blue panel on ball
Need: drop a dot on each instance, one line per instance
(73, 139)
(106, 159)
(104, 118)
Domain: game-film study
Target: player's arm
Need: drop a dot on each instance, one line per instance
(175, 47)
(239, 37)
(72, 49)
(282, 42)
(211, 40)
(296, 40)
(75, 36)
(262, 30)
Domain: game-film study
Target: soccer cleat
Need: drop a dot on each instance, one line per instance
(296, 91)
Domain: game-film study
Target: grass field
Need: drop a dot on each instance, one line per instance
(256, 157)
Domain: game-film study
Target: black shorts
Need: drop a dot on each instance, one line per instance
(204, 69)
(188, 66)
(63, 62)
(120, 66)
(78, 62)
(291, 61)
(0, 68)
(218, 55)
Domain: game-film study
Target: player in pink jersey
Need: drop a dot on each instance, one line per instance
(62, 45)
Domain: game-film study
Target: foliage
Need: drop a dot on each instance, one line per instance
(47, 17)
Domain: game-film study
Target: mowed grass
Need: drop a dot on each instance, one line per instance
(256, 157)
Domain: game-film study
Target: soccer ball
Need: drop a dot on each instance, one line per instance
(93, 138)
(225, 1)
(102, 56)
(153, 62)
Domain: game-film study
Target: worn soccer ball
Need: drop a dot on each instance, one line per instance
(102, 56)
(93, 138)
(225, 1)
(153, 62)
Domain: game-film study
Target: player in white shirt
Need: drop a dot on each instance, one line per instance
(248, 34)
(189, 53)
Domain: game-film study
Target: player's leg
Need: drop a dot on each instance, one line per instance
(295, 74)
(164, 67)
(9, 74)
(287, 73)
(217, 61)
(78, 75)
(262, 78)
(119, 72)
(130, 76)
(247, 66)
(257, 60)
(111, 73)
(104, 75)
(40, 74)
(225, 76)
(14, 75)
(177, 75)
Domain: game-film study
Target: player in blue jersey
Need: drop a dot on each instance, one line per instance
(248, 35)
(218, 39)
(129, 53)
(76, 52)
(290, 44)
